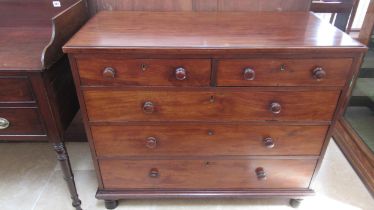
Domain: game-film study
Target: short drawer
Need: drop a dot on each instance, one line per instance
(15, 89)
(283, 72)
(20, 121)
(207, 174)
(223, 104)
(207, 140)
(144, 72)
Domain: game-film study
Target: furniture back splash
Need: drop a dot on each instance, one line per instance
(199, 5)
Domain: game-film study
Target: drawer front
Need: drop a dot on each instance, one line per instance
(15, 90)
(207, 140)
(283, 72)
(20, 121)
(207, 174)
(144, 72)
(220, 105)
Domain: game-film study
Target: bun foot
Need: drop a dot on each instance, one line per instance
(295, 203)
(111, 204)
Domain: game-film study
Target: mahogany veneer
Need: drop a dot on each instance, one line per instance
(212, 139)
(220, 104)
(137, 71)
(16, 89)
(23, 121)
(205, 174)
(283, 72)
(199, 104)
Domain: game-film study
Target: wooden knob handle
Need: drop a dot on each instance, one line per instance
(319, 73)
(151, 142)
(268, 142)
(275, 108)
(260, 173)
(154, 173)
(180, 73)
(148, 107)
(109, 73)
(249, 74)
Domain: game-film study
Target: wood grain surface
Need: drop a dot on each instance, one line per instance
(186, 31)
(201, 5)
(222, 104)
(26, 32)
(143, 72)
(206, 140)
(15, 89)
(283, 72)
(205, 174)
(23, 121)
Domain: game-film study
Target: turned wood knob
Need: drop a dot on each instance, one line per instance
(148, 107)
(180, 73)
(109, 73)
(275, 108)
(249, 74)
(154, 173)
(260, 173)
(151, 142)
(319, 73)
(268, 142)
(4, 123)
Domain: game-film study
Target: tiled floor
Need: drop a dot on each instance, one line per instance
(31, 180)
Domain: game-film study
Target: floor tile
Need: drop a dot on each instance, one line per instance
(25, 169)
(338, 182)
(56, 195)
(80, 156)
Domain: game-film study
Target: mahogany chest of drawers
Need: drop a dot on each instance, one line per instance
(199, 104)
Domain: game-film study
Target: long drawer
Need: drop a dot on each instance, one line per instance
(15, 89)
(207, 140)
(143, 72)
(222, 104)
(20, 121)
(283, 72)
(206, 174)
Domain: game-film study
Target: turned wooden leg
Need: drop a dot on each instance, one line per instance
(295, 203)
(111, 204)
(63, 158)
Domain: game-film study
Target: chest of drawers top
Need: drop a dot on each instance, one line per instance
(209, 33)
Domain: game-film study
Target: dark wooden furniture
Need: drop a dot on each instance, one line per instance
(356, 151)
(347, 138)
(207, 104)
(37, 97)
(199, 5)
